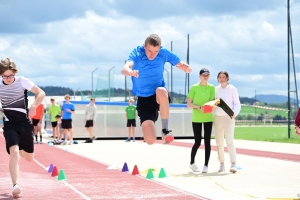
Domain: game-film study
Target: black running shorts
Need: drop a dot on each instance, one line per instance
(35, 122)
(89, 123)
(148, 108)
(18, 133)
(131, 123)
(66, 123)
(54, 124)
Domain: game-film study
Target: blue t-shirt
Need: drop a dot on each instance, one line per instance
(67, 115)
(150, 71)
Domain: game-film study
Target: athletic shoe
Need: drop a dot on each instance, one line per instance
(222, 168)
(166, 136)
(194, 168)
(64, 142)
(70, 142)
(133, 140)
(233, 168)
(127, 140)
(89, 141)
(16, 191)
(36, 142)
(41, 142)
(94, 138)
(204, 169)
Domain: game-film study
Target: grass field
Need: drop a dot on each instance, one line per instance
(268, 134)
(249, 110)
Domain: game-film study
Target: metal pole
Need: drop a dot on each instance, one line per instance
(188, 61)
(288, 46)
(125, 86)
(255, 109)
(171, 94)
(93, 82)
(109, 83)
(168, 78)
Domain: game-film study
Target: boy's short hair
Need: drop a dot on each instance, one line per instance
(67, 96)
(131, 100)
(153, 40)
(92, 99)
(57, 116)
(52, 99)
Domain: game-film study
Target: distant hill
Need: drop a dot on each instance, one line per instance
(272, 98)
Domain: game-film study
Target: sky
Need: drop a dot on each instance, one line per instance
(65, 43)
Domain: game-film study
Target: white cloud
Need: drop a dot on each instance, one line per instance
(250, 46)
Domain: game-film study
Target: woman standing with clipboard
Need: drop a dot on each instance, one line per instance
(223, 123)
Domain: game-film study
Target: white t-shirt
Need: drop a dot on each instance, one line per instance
(230, 95)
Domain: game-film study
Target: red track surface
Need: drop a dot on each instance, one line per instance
(249, 152)
(89, 179)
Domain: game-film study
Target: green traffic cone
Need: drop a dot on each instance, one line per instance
(162, 173)
(150, 174)
(61, 175)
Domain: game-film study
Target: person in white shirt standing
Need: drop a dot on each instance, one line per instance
(223, 123)
(90, 118)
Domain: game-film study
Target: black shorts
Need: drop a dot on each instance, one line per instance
(148, 108)
(89, 123)
(19, 133)
(66, 123)
(35, 122)
(131, 123)
(54, 124)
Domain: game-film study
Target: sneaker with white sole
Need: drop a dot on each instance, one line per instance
(166, 136)
(16, 191)
(94, 138)
(65, 142)
(222, 168)
(194, 168)
(204, 169)
(70, 142)
(233, 168)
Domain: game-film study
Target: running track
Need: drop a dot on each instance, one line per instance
(86, 179)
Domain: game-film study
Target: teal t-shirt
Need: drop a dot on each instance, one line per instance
(130, 110)
(200, 95)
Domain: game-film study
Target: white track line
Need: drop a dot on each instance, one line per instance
(66, 183)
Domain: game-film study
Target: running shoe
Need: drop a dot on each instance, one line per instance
(127, 140)
(222, 168)
(166, 136)
(16, 191)
(194, 168)
(94, 138)
(233, 168)
(204, 169)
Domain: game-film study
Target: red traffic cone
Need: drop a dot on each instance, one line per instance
(135, 170)
(54, 172)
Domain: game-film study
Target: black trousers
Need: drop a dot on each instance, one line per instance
(197, 129)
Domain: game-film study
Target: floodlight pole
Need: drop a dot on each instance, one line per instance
(93, 82)
(109, 83)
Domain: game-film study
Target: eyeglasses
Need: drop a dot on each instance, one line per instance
(8, 77)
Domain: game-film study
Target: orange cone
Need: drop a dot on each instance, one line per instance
(135, 170)
(54, 172)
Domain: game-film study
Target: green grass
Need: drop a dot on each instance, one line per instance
(267, 134)
(246, 110)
